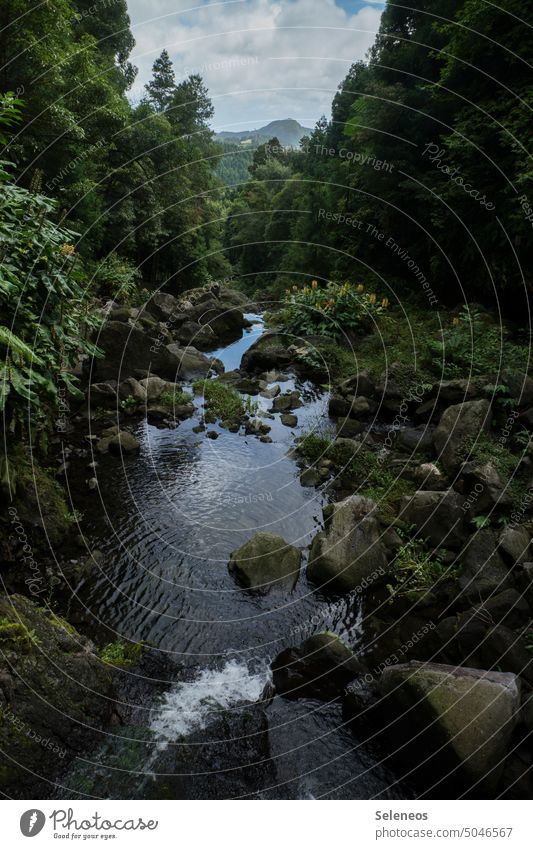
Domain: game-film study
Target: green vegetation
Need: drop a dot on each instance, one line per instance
(121, 654)
(17, 635)
(130, 404)
(222, 401)
(360, 471)
(330, 310)
(417, 570)
(174, 399)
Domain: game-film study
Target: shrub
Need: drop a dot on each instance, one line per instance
(222, 400)
(330, 310)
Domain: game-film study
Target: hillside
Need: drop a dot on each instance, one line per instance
(289, 132)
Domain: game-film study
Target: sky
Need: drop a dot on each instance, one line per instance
(262, 60)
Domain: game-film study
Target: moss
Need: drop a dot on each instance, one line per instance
(59, 622)
(17, 635)
(121, 654)
(174, 399)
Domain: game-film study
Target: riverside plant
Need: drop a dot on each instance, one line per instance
(330, 309)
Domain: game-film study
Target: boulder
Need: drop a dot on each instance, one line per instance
(456, 391)
(415, 440)
(471, 713)
(437, 517)
(321, 667)
(338, 406)
(519, 386)
(164, 306)
(55, 696)
(483, 488)
(131, 388)
(124, 443)
(287, 401)
(270, 351)
(193, 333)
(186, 363)
(514, 544)
(349, 552)
(458, 427)
(103, 395)
(483, 571)
(154, 387)
(357, 384)
(310, 477)
(289, 419)
(429, 476)
(266, 562)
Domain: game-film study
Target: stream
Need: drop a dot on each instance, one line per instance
(166, 525)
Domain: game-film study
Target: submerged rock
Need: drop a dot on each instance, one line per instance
(266, 562)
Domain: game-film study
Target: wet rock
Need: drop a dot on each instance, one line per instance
(458, 425)
(289, 420)
(469, 712)
(212, 434)
(321, 667)
(483, 571)
(437, 517)
(255, 427)
(271, 392)
(265, 439)
(287, 401)
(269, 352)
(266, 562)
(346, 428)
(350, 550)
(338, 406)
(124, 443)
(250, 386)
(311, 477)
(186, 363)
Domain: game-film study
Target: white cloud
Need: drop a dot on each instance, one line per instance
(260, 59)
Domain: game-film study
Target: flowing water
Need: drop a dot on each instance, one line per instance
(167, 524)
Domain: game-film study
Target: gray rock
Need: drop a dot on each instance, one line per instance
(192, 333)
(131, 388)
(514, 544)
(289, 419)
(124, 443)
(287, 401)
(271, 392)
(266, 562)
(338, 406)
(483, 571)
(154, 386)
(212, 434)
(456, 391)
(103, 395)
(164, 306)
(310, 477)
(349, 552)
(457, 427)
(483, 488)
(429, 476)
(357, 384)
(320, 667)
(437, 516)
(472, 712)
(415, 440)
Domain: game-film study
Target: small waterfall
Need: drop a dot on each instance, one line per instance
(190, 705)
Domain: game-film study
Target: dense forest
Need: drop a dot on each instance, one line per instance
(437, 119)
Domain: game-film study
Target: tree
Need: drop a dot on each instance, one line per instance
(162, 86)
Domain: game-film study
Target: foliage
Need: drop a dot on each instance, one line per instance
(18, 634)
(416, 569)
(44, 315)
(331, 310)
(116, 278)
(221, 400)
(471, 345)
(121, 654)
(174, 399)
(129, 404)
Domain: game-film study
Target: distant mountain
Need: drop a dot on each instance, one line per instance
(289, 132)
